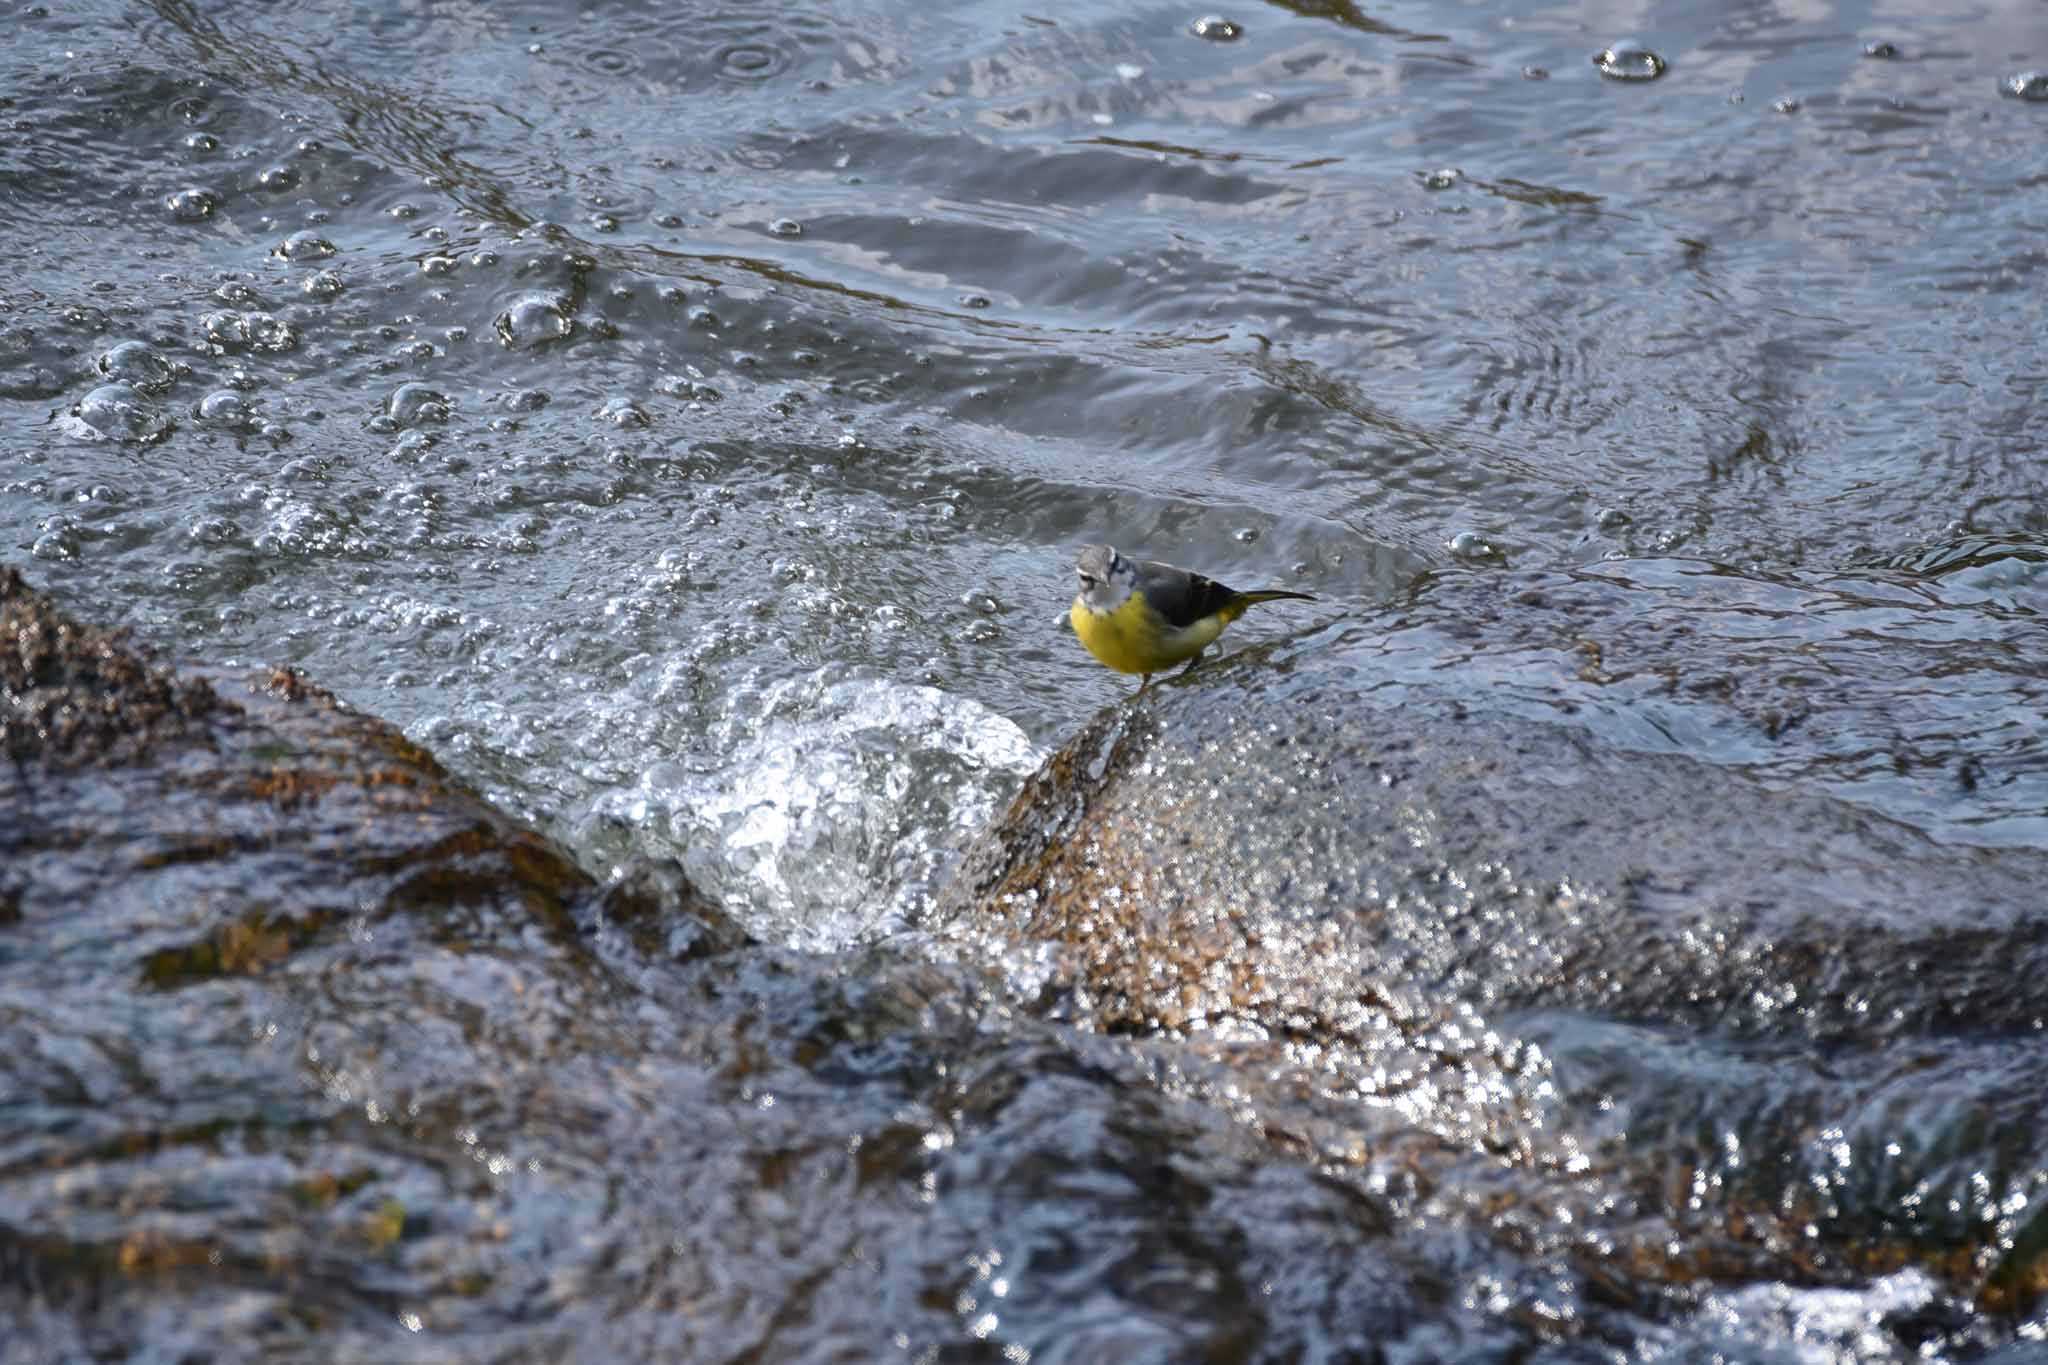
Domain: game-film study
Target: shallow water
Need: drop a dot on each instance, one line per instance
(651, 407)
(552, 385)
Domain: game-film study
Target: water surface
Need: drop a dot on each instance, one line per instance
(681, 418)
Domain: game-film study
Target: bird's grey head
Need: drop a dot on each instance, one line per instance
(1106, 577)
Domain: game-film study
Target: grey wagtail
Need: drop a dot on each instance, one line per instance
(1143, 617)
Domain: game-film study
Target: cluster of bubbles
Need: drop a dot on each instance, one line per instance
(128, 406)
(1629, 60)
(229, 330)
(125, 407)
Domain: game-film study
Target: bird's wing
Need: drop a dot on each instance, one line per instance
(1183, 598)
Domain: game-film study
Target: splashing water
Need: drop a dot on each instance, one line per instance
(834, 808)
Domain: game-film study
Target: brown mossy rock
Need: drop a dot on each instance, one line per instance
(72, 692)
(315, 811)
(234, 912)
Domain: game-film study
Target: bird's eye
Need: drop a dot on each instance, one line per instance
(1088, 580)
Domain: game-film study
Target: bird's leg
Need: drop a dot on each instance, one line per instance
(1143, 683)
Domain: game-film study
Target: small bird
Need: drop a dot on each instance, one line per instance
(1143, 617)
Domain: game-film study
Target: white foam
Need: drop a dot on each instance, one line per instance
(828, 811)
(1772, 1323)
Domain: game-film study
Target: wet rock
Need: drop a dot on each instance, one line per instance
(1764, 1017)
(309, 1051)
(75, 693)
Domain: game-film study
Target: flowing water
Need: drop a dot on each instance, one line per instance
(681, 418)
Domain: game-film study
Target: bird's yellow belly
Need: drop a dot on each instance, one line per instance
(1133, 638)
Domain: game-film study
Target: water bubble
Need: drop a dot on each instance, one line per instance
(603, 222)
(1474, 548)
(1629, 60)
(201, 142)
(703, 317)
(976, 301)
(85, 319)
(304, 245)
(195, 109)
(226, 409)
(1535, 73)
(411, 447)
(668, 220)
(412, 404)
(1786, 104)
(323, 285)
(606, 61)
(277, 178)
(1881, 50)
(438, 265)
(534, 320)
(58, 545)
(1442, 178)
(786, 227)
(226, 329)
(117, 412)
(750, 61)
(215, 531)
(688, 387)
(623, 413)
(2031, 86)
(404, 210)
(267, 332)
(1217, 29)
(192, 205)
(138, 364)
